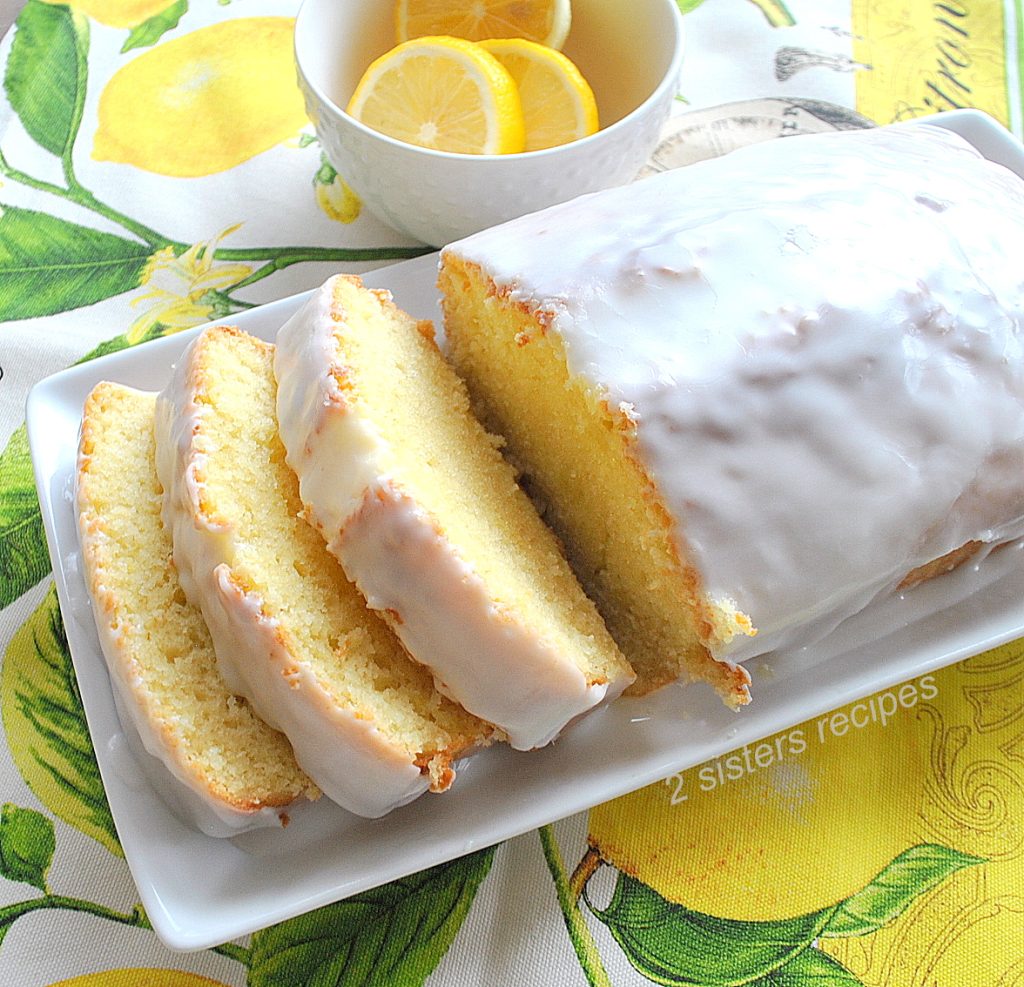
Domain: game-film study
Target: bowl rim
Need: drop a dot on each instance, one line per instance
(669, 79)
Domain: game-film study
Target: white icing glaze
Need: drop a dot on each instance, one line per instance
(188, 800)
(155, 752)
(352, 762)
(483, 658)
(333, 454)
(820, 341)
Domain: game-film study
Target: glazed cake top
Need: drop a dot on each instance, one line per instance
(819, 339)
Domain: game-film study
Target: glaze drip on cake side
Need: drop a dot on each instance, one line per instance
(202, 749)
(359, 492)
(307, 685)
(820, 343)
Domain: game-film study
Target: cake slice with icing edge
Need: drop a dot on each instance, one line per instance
(292, 634)
(225, 769)
(415, 500)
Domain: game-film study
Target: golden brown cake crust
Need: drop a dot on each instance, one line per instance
(521, 334)
(142, 619)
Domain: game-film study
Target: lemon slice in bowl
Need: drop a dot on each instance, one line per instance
(558, 104)
(545, 21)
(444, 93)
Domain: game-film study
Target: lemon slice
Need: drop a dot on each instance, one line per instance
(546, 21)
(444, 93)
(558, 105)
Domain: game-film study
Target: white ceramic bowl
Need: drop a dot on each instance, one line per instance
(629, 52)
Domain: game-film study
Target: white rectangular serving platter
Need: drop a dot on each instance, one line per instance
(199, 891)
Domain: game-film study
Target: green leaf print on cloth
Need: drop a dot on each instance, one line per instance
(27, 842)
(776, 13)
(48, 265)
(46, 729)
(670, 944)
(23, 556)
(916, 870)
(45, 77)
(673, 945)
(150, 31)
(392, 936)
(810, 968)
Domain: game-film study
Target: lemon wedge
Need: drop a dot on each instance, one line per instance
(558, 104)
(444, 93)
(545, 21)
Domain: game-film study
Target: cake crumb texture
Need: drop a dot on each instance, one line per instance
(577, 460)
(158, 645)
(452, 468)
(321, 619)
(430, 521)
(757, 392)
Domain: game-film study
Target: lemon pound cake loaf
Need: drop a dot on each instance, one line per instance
(292, 634)
(234, 771)
(414, 498)
(756, 392)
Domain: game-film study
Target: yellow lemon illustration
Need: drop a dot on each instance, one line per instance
(785, 826)
(334, 195)
(137, 977)
(118, 13)
(338, 201)
(205, 102)
(971, 928)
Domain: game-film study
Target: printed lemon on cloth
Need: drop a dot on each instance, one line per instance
(204, 102)
(119, 13)
(558, 104)
(137, 977)
(769, 832)
(879, 844)
(546, 21)
(444, 93)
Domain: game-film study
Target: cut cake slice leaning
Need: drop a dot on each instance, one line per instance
(292, 633)
(233, 771)
(415, 499)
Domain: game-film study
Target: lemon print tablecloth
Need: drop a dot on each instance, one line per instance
(157, 172)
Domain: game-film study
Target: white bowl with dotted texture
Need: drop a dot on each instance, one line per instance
(630, 53)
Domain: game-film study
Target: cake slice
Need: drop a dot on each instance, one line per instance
(578, 452)
(414, 498)
(234, 771)
(758, 392)
(292, 634)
